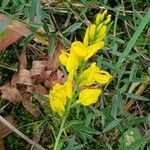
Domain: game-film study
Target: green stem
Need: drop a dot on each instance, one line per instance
(60, 132)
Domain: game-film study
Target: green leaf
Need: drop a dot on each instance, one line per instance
(112, 125)
(72, 28)
(117, 104)
(5, 3)
(140, 142)
(137, 97)
(33, 10)
(52, 44)
(39, 12)
(135, 121)
(134, 38)
(128, 138)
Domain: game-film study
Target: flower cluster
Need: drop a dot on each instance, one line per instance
(80, 78)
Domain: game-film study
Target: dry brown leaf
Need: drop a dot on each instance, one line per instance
(51, 78)
(14, 31)
(7, 38)
(30, 107)
(40, 89)
(2, 145)
(24, 78)
(4, 130)
(54, 61)
(10, 93)
(14, 79)
(29, 89)
(22, 59)
(47, 81)
(38, 70)
(19, 28)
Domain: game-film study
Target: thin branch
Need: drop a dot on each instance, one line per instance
(4, 121)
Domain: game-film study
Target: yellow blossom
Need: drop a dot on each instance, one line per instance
(89, 96)
(85, 52)
(63, 57)
(92, 31)
(68, 85)
(94, 74)
(58, 95)
(100, 17)
(92, 49)
(72, 63)
(58, 98)
(86, 37)
(78, 48)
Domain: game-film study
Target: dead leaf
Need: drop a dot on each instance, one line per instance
(14, 79)
(2, 145)
(29, 89)
(54, 61)
(24, 78)
(47, 81)
(40, 89)
(7, 38)
(30, 107)
(22, 59)
(40, 39)
(38, 70)
(14, 31)
(10, 93)
(4, 130)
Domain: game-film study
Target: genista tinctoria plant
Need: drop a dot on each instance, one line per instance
(79, 89)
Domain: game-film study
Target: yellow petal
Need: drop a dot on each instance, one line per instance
(78, 48)
(102, 77)
(63, 57)
(57, 106)
(86, 37)
(87, 77)
(89, 96)
(58, 98)
(108, 19)
(100, 17)
(99, 27)
(91, 50)
(68, 85)
(72, 62)
(92, 31)
(102, 31)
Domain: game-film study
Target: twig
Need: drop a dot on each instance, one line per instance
(138, 92)
(4, 121)
(7, 67)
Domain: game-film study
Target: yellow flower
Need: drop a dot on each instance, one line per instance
(94, 74)
(78, 48)
(89, 96)
(71, 61)
(92, 31)
(92, 49)
(58, 95)
(86, 37)
(63, 57)
(58, 98)
(83, 52)
(68, 85)
(100, 17)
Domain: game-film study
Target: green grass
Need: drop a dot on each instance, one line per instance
(105, 125)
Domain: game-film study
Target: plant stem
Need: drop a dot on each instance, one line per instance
(60, 132)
